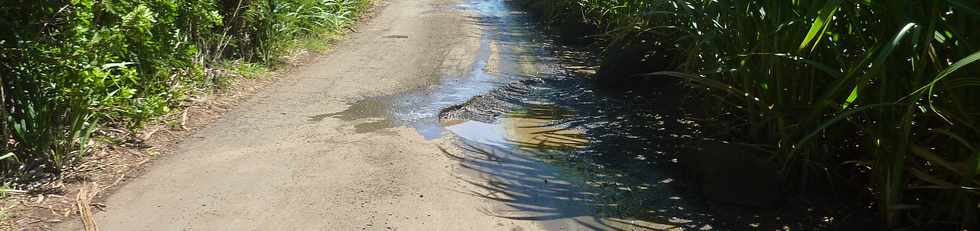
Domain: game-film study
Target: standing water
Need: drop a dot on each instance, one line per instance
(553, 148)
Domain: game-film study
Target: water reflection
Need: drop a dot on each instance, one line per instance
(533, 128)
(537, 137)
(537, 128)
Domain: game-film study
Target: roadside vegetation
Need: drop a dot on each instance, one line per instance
(70, 68)
(877, 97)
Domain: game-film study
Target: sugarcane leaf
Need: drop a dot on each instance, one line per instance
(819, 26)
(934, 158)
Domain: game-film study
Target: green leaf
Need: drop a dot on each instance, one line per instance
(851, 98)
(879, 63)
(934, 158)
(939, 77)
(819, 26)
(922, 175)
(815, 64)
(838, 118)
(952, 68)
(8, 155)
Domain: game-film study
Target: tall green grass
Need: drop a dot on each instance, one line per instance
(69, 68)
(883, 93)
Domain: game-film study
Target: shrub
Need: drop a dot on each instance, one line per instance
(71, 67)
(880, 90)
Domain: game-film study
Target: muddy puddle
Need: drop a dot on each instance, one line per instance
(559, 150)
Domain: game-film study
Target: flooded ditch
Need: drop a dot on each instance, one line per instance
(560, 149)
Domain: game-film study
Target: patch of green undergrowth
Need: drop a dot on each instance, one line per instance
(70, 68)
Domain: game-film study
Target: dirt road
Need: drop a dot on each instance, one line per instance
(273, 164)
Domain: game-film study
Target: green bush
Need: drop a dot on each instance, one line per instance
(261, 30)
(886, 90)
(71, 67)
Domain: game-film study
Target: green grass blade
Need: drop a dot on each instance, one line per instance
(813, 63)
(922, 175)
(706, 82)
(946, 72)
(819, 26)
(826, 124)
(934, 158)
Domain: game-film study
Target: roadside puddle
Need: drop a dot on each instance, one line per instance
(551, 147)
(539, 128)
(536, 128)
(419, 108)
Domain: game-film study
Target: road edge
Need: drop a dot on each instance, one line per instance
(111, 165)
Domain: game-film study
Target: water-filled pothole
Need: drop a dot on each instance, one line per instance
(620, 154)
